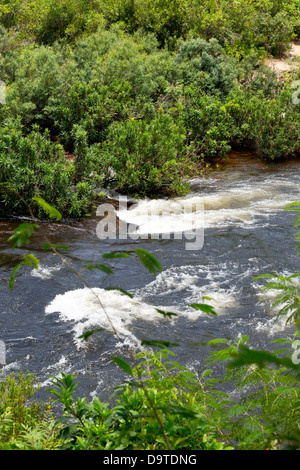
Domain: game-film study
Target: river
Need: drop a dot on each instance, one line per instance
(246, 232)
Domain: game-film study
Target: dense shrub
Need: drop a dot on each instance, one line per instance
(205, 65)
(104, 78)
(239, 26)
(146, 156)
(279, 134)
(32, 165)
(32, 76)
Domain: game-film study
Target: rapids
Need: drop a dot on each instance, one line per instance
(239, 212)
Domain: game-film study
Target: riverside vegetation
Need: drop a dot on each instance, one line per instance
(141, 95)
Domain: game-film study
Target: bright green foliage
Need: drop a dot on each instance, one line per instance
(28, 260)
(141, 92)
(22, 234)
(286, 287)
(50, 211)
(267, 414)
(25, 424)
(204, 308)
(295, 206)
(193, 411)
(148, 260)
(174, 393)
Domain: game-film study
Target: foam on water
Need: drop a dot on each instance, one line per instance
(242, 203)
(115, 312)
(186, 278)
(45, 272)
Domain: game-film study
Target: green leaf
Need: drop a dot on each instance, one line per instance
(51, 211)
(102, 267)
(179, 410)
(247, 356)
(204, 308)
(264, 276)
(87, 334)
(291, 207)
(115, 255)
(238, 410)
(15, 271)
(29, 260)
(206, 372)
(216, 341)
(46, 246)
(158, 343)
(148, 260)
(121, 290)
(167, 314)
(22, 234)
(122, 364)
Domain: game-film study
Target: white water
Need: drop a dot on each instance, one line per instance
(240, 203)
(94, 308)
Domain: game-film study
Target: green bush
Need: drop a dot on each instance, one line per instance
(25, 424)
(163, 408)
(204, 64)
(145, 156)
(279, 134)
(103, 78)
(101, 92)
(207, 123)
(31, 166)
(270, 123)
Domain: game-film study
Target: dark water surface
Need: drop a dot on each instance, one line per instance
(246, 233)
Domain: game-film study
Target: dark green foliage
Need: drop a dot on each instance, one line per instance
(145, 156)
(204, 64)
(33, 166)
(267, 414)
(22, 235)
